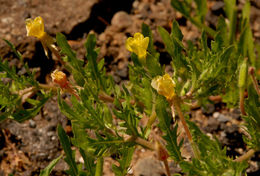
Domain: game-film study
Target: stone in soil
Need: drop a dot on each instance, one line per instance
(148, 166)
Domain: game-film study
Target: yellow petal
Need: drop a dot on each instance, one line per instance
(138, 45)
(138, 36)
(35, 27)
(164, 86)
(129, 43)
(145, 43)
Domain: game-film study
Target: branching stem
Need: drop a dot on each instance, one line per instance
(144, 143)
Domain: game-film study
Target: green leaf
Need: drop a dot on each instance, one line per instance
(65, 143)
(176, 31)
(231, 12)
(78, 71)
(124, 161)
(48, 169)
(91, 55)
(99, 167)
(182, 7)
(17, 53)
(166, 40)
(153, 65)
(25, 114)
(201, 9)
(146, 31)
(88, 162)
(170, 134)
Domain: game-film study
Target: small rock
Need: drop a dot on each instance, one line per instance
(32, 123)
(222, 118)
(148, 167)
(216, 114)
(122, 73)
(236, 114)
(231, 129)
(121, 20)
(50, 133)
(209, 109)
(213, 125)
(217, 5)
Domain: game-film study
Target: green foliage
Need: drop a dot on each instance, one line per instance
(105, 117)
(70, 155)
(213, 160)
(12, 89)
(252, 119)
(48, 169)
(124, 161)
(170, 134)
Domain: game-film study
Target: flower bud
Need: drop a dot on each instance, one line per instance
(162, 153)
(138, 44)
(164, 86)
(242, 74)
(60, 78)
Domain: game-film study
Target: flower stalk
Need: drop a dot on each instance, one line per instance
(176, 106)
(246, 156)
(60, 78)
(251, 72)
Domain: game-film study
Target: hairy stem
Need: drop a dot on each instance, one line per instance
(251, 72)
(246, 156)
(166, 165)
(144, 143)
(176, 105)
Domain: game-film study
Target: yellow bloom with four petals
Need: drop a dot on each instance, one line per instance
(164, 86)
(138, 45)
(35, 27)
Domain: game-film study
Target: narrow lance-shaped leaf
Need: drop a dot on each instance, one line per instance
(48, 169)
(231, 12)
(146, 31)
(171, 134)
(65, 142)
(92, 58)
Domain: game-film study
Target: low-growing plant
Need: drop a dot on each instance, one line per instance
(105, 117)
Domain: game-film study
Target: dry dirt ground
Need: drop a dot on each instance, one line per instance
(27, 148)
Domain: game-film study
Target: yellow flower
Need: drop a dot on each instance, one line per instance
(138, 44)
(35, 27)
(164, 86)
(60, 78)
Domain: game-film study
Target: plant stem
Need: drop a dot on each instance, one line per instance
(246, 156)
(176, 105)
(241, 101)
(151, 120)
(166, 165)
(251, 72)
(178, 109)
(55, 51)
(144, 143)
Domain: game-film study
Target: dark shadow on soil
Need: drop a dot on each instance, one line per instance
(40, 60)
(100, 17)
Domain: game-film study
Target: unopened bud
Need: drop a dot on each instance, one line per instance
(242, 74)
(60, 78)
(162, 153)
